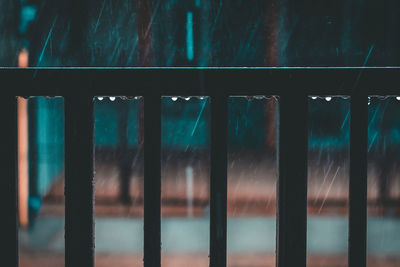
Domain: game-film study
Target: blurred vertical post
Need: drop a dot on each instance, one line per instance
(23, 57)
(145, 10)
(272, 21)
(23, 174)
(125, 162)
(23, 182)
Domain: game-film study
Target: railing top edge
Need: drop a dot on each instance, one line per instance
(210, 68)
(203, 81)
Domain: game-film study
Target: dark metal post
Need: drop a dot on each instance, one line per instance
(152, 180)
(292, 183)
(218, 183)
(79, 240)
(8, 182)
(358, 180)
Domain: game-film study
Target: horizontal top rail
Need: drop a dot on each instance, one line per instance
(200, 81)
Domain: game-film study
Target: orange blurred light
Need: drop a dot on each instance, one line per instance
(23, 182)
(23, 58)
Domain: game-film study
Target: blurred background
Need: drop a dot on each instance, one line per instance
(203, 33)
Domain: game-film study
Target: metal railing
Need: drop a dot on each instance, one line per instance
(79, 86)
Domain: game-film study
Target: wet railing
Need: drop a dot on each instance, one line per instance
(79, 86)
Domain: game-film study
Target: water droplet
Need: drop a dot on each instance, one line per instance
(112, 98)
(328, 98)
(174, 98)
(100, 98)
(313, 97)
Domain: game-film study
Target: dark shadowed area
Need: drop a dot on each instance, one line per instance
(204, 33)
